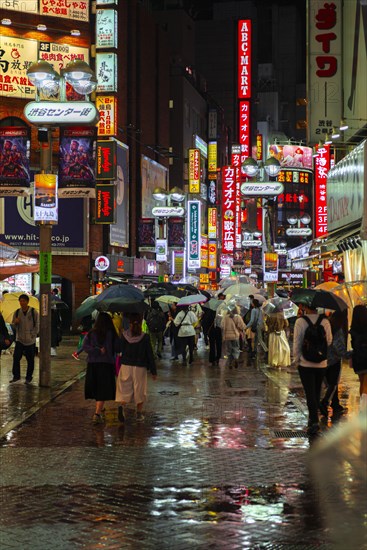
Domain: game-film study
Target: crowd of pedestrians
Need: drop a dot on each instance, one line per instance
(122, 350)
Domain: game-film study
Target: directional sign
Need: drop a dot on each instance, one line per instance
(61, 113)
(262, 189)
(168, 211)
(298, 231)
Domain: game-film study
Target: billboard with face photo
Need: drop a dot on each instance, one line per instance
(119, 232)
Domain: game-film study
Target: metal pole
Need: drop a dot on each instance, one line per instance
(45, 233)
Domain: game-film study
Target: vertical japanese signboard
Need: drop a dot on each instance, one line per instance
(244, 59)
(194, 171)
(106, 29)
(107, 109)
(212, 255)
(244, 130)
(106, 72)
(322, 167)
(228, 209)
(212, 223)
(325, 90)
(194, 234)
(66, 9)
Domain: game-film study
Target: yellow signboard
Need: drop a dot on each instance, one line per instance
(107, 108)
(212, 156)
(194, 171)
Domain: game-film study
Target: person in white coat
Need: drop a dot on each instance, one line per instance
(185, 321)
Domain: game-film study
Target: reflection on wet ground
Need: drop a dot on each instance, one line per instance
(219, 462)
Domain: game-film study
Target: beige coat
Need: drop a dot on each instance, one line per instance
(232, 327)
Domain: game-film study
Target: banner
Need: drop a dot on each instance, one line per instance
(16, 55)
(66, 9)
(193, 234)
(106, 29)
(146, 234)
(292, 156)
(105, 204)
(14, 156)
(176, 232)
(153, 175)
(119, 232)
(77, 157)
(107, 109)
(45, 198)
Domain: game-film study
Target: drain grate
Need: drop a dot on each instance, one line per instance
(289, 433)
(168, 392)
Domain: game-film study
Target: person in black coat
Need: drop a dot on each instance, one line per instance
(5, 341)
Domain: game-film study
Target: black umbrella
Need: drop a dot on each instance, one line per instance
(318, 298)
(189, 289)
(123, 305)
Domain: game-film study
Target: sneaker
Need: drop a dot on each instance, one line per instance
(53, 352)
(139, 416)
(75, 355)
(97, 419)
(13, 380)
(159, 355)
(339, 410)
(120, 414)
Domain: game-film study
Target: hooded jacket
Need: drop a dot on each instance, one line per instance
(136, 351)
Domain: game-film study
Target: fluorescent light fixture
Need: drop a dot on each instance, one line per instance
(75, 32)
(328, 140)
(343, 125)
(335, 134)
(6, 21)
(41, 27)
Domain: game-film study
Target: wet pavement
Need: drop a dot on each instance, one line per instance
(221, 461)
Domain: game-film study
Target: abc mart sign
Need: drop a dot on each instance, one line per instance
(61, 113)
(168, 211)
(262, 189)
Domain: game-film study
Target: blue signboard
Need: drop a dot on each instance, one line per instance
(18, 228)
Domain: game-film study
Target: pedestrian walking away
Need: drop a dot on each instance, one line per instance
(26, 323)
(358, 332)
(185, 321)
(311, 338)
(101, 344)
(156, 323)
(279, 350)
(5, 339)
(137, 360)
(232, 328)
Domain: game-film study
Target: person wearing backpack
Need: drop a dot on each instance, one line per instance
(26, 323)
(5, 340)
(185, 321)
(311, 338)
(156, 323)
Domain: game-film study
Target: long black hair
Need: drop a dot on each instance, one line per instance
(339, 320)
(102, 326)
(135, 321)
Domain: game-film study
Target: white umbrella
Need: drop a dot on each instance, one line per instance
(192, 299)
(189, 280)
(167, 299)
(234, 279)
(241, 289)
(260, 298)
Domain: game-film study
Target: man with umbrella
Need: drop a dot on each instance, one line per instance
(185, 321)
(311, 338)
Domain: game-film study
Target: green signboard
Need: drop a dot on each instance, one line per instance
(45, 268)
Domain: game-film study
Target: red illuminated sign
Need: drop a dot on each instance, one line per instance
(322, 166)
(228, 209)
(244, 58)
(244, 130)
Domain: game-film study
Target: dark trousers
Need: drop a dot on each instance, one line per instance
(29, 353)
(332, 376)
(187, 341)
(311, 379)
(215, 344)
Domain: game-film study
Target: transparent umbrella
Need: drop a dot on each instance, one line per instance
(233, 280)
(241, 289)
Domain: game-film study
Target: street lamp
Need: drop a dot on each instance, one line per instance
(54, 113)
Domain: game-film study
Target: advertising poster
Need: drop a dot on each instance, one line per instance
(105, 203)
(161, 250)
(45, 198)
(18, 227)
(106, 72)
(146, 232)
(212, 255)
(194, 171)
(66, 9)
(270, 269)
(16, 55)
(176, 232)
(193, 237)
(119, 232)
(292, 156)
(14, 157)
(107, 109)
(153, 175)
(77, 157)
(106, 29)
